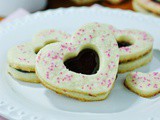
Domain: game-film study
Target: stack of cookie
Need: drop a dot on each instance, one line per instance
(21, 58)
(147, 6)
(132, 54)
(83, 66)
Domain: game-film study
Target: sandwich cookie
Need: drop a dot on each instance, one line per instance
(21, 58)
(135, 48)
(84, 69)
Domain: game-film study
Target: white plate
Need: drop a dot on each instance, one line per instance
(26, 101)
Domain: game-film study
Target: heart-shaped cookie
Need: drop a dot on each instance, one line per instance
(21, 58)
(143, 84)
(132, 54)
(53, 73)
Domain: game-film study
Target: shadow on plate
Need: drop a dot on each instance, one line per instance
(117, 101)
(28, 84)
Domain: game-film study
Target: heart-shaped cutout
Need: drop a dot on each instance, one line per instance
(143, 84)
(123, 44)
(53, 73)
(87, 62)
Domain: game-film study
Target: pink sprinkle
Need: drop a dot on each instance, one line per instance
(90, 36)
(78, 33)
(69, 49)
(155, 86)
(155, 73)
(135, 75)
(63, 46)
(49, 54)
(148, 84)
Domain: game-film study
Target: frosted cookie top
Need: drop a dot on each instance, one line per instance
(132, 43)
(49, 36)
(145, 84)
(23, 56)
(140, 42)
(50, 60)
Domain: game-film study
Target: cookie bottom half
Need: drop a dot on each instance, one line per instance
(129, 66)
(23, 76)
(75, 95)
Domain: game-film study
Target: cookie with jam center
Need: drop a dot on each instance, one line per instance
(132, 65)
(84, 69)
(21, 58)
(135, 47)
